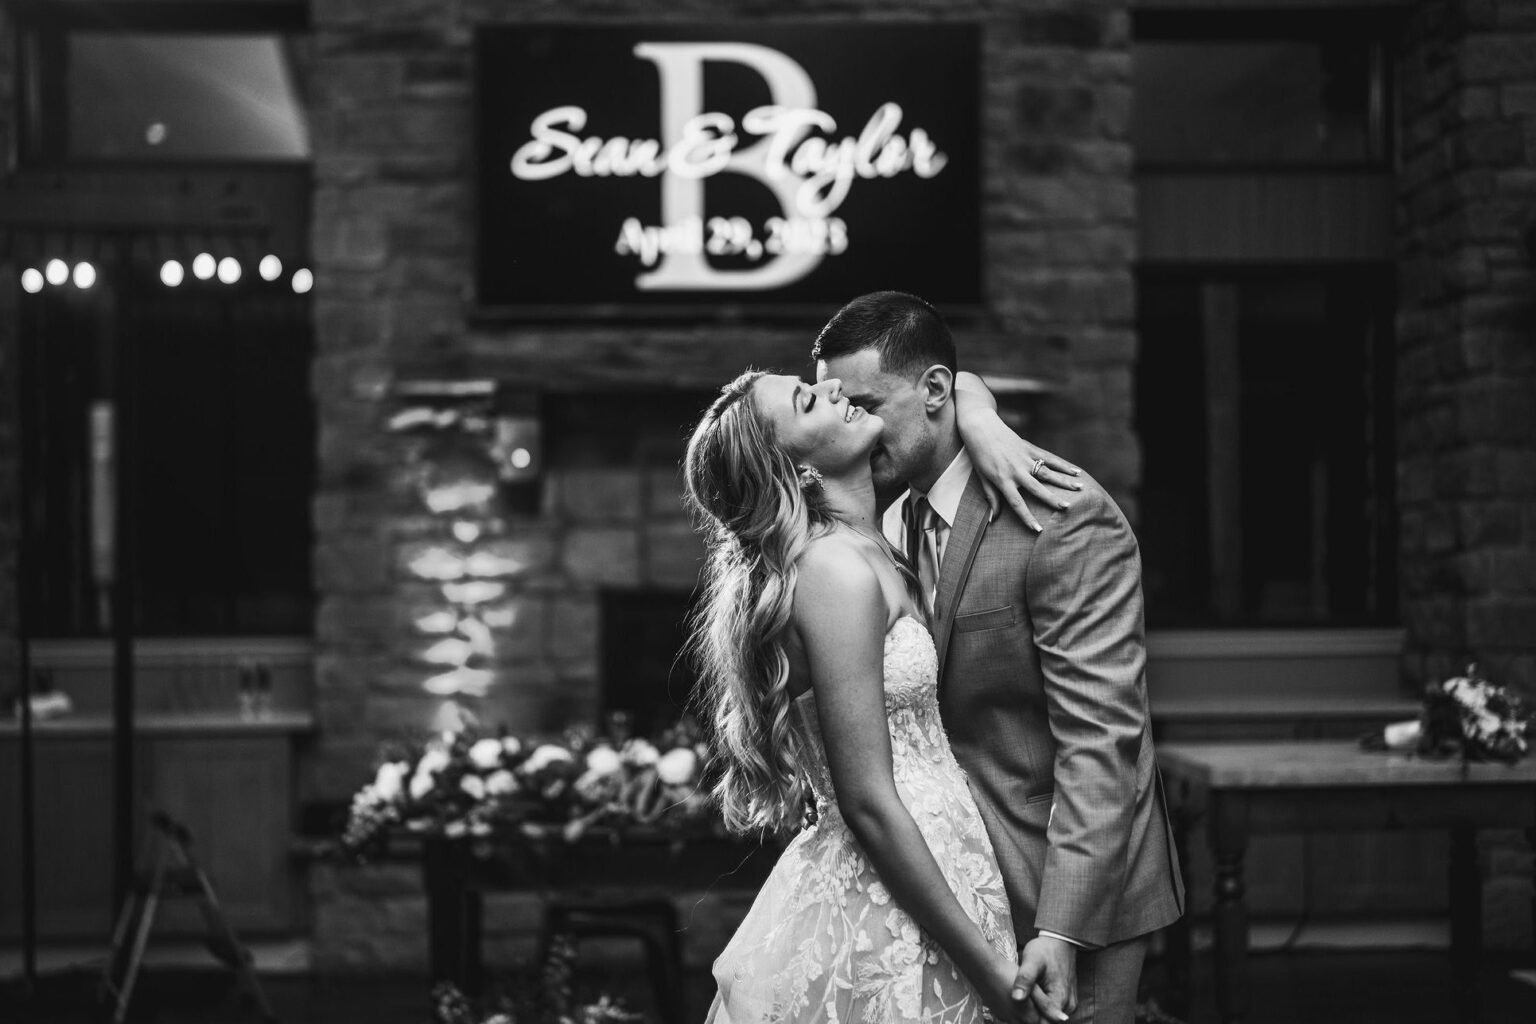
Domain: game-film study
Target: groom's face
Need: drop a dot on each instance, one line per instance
(907, 441)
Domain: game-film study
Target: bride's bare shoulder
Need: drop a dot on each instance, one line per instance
(835, 566)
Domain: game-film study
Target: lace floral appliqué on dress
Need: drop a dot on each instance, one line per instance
(824, 941)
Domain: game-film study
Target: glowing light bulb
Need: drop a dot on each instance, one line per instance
(229, 270)
(303, 280)
(270, 268)
(57, 272)
(32, 280)
(172, 274)
(522, 458)
(85, 275)
(204, 266)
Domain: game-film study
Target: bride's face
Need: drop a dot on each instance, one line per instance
(816, 424)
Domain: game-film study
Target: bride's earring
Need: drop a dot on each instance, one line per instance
(810, 477)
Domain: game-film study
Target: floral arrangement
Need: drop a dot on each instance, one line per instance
(1465, 715)
(463, 783)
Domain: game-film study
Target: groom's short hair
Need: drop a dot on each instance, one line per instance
(908, 333)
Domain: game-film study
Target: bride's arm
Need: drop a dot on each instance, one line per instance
(840, 618)
(1007, 462)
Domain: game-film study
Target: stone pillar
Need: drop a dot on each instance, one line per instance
(10, 436)
(1467, 371)
(1467, 341)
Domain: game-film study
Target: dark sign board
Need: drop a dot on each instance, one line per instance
(758, 165)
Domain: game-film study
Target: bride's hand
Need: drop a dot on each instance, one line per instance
(997, 991)
(1008, 464)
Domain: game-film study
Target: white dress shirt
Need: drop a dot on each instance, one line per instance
(944, 497)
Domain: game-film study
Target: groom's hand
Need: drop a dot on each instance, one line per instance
(1047, 978)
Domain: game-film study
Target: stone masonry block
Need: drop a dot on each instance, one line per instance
(573, 625)
(1503, 57)
(596, 494)
(610, 556)
(351, 563)
(1497, 144)
(349, 243)
(1518, 99)
(1489, 524)
(1501, 621)
(664, 493)
(356, 621)
(674, 555)
(1514, 571)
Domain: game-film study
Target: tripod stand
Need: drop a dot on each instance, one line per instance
(169, 872)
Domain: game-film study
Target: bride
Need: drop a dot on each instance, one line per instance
(820, 679)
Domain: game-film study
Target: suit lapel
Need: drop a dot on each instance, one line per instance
(959, 553)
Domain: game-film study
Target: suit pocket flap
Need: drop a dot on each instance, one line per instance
(993, 619)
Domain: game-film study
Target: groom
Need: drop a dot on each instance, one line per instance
(1041, 669)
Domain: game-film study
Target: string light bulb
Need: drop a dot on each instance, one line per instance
(85, 275)
(204, 266)
(270, 268)
(57, 272)
(229, 270)
(303, 280)
(172, 274)
(32, 280)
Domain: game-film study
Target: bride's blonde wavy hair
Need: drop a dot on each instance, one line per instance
(752, 501)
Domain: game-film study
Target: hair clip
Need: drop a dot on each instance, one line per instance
(810, 477)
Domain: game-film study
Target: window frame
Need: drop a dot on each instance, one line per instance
(40, 45)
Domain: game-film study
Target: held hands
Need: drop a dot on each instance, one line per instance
(1046, 985)
(1009, 465)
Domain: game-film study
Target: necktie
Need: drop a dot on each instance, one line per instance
(922, 552)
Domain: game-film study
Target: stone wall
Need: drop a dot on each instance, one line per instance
(9, 437)
(1467, 368)
(392, 250)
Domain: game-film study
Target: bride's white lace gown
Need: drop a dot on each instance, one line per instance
(824, 941)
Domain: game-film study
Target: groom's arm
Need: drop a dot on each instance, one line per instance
(1083, 587)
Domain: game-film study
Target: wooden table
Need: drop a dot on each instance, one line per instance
(1240, 789)
(602, 876)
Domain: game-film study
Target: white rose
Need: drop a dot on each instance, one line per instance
(485, 753)
(677, 766)
(434, 760)
(641, 753)
(421, 785)
(603, 761)
(511, 745)
(501, 783)
(474, 785)
(546, 755)
(389, 784)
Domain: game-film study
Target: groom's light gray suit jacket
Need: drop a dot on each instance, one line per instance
(1042, 688)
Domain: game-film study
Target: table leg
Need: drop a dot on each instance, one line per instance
(445, 878)
(1466, 891)
(1228, 822)
(1178, 954)
(1530, 835)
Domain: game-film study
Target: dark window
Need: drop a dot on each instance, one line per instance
(1264, 405)
(174, 96)
(149, 83)
(1239, 90)
(217, 463)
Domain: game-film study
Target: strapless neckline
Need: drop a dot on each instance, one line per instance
(908, 617)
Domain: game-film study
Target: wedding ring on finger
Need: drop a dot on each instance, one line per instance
(1034, 470)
